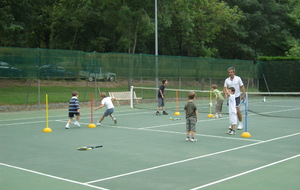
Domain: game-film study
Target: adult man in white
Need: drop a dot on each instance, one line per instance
(237, 83)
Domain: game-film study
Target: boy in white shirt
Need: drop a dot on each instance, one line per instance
(107, 102)
(232, 110)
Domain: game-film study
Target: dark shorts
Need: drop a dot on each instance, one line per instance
(237, 101)
(160, 102)
(71, 115)
(108, 112)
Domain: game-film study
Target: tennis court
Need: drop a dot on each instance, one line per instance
(145, 151)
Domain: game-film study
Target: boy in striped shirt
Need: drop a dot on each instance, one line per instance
(74, 109)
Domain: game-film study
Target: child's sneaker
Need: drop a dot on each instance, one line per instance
(193, 139)
(187, 139)
(67, 126)
(76, 123)
(157, 113)
(98, 124)
(240, 127)
(165, 113)
(115, 120)
(232, 132)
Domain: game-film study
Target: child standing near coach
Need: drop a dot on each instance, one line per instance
(232, 110)
(191, 115)
(74, 109)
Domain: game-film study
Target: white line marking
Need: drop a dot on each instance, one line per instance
(187, 160)
(174, 132)
(243, 173)
(54, 177)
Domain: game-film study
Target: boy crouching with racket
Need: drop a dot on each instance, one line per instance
(191, 114)
(107, 102)
(74, 109)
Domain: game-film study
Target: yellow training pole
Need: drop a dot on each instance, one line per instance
(210, 115)
(47, 129)
(177, 112)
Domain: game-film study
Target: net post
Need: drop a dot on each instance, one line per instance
(47, 129)
(131, 96)
(246, 134)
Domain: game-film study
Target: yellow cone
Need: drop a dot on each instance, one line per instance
(210, 115)
(246, 135)
(91, 125)
(47, 130)
(177, 113)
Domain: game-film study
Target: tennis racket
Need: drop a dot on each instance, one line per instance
(88, 147)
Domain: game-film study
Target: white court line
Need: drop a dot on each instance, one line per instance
(243, 173)
(8, 124)
(190, 159)
(51, 176)
(174, 132)
(66, 116)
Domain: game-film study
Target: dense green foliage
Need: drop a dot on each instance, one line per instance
(279, 74)
(232, 29)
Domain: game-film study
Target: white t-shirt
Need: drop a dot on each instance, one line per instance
(232, 104)
(236, 83)
(232, 110)
(107, 102)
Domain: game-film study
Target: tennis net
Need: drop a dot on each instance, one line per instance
(269, 104)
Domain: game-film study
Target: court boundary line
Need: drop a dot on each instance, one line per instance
(190, 159)
(246, 172)
(58, 120)
(52, 176)
(182, 133)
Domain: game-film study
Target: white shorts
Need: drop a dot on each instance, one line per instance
(232, 118)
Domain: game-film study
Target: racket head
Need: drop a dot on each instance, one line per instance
(84, 148)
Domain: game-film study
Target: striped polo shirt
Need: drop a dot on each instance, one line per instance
(73, 105)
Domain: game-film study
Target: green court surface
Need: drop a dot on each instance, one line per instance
(144, 152)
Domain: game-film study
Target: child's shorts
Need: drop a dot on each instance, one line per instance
(232, 118)
(160, 102)
(191, 124)
(108, 112)
(71, 115)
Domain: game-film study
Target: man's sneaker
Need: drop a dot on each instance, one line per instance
(187, 139)
(193, 139)
(228, 131)
(98, 124)
(67, 126)
(157, 113)
(216, 116)
(240, 127)
(76, 123)
(232, 132)
(220, 115)
(165, 113)
(115, 120)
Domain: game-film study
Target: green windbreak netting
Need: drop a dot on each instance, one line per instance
(49, 64)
